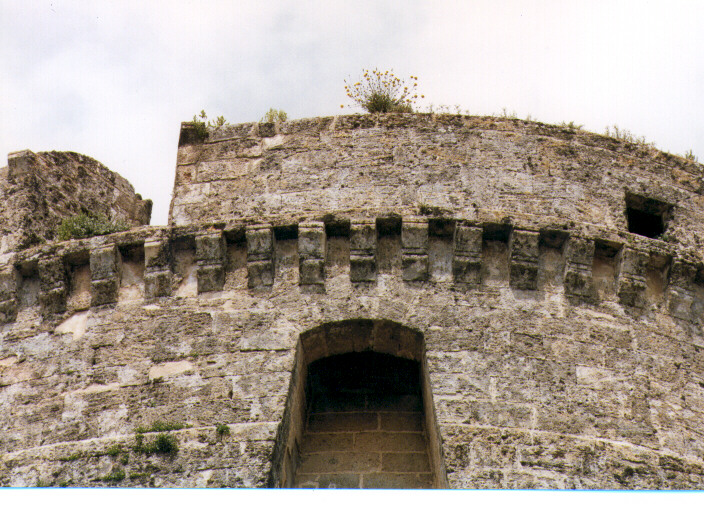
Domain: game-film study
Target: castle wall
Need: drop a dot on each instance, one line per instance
(554, 359)
(457, 166)
(37, 191)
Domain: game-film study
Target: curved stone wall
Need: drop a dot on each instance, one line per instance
(410, 164)
(557, 357)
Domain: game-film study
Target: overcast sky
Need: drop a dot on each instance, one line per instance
(114, 80)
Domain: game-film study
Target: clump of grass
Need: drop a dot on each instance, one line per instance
(86, 226)
(275, 116)
(627, 136)
(383, 91)
(162, 444)
(571, 125)
(202, 123)
(689, 155)
(159, 426)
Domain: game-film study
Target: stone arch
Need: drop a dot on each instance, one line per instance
(374, 348)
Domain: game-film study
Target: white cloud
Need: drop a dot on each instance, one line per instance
(115, 79)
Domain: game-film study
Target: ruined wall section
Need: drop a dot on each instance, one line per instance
(39, 190)
(409, 164)
(555, 359)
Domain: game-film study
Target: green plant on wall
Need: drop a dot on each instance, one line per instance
(202, 123)
(274, 115)
(383, 91)
(87, 226)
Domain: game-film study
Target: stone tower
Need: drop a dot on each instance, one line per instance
(399, 300)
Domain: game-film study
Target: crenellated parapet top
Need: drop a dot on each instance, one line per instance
(587, 263)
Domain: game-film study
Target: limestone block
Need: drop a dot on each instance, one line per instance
(105, 275)
(362, 268)
(211, 251)
(260, 273)
(311, 240)
(632, 285)
(414, 235)
(414, 267)
(157, 283)
(210, 277)
(8, 296)
(211, 248)
(467, 256)
(104, 263)
(578, 274)
(363, 241)
(524, 259)
(414, 246)
(312, 271)
(157, 253)
(8, 311)
(8, 284)
(260, 242)
(52, 280)
(311, 253)
(104, 291)
(260, 252)
(363, 237)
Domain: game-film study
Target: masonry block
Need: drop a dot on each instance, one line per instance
(312, 271)
(105, 275)
(260, 253)
(578, 273)
(363, 241)
(524, 259)
(211, 252)
(260, 242)
(467, 256)
(158, 273)
(260, 274)
(311, 253)
(52, 286)
(157, 283)
(414, 249)
(211, 248)
(632, 285)
(157, 253)
(210, 277)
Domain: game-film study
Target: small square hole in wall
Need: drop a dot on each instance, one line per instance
(647, 217)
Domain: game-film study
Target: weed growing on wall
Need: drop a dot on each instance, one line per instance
(86, 226)
(202, 123)
(383, 91)
(274, 115)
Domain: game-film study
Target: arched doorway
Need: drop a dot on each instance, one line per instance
(359, 412)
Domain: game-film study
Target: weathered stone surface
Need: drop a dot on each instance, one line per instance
(39, 190)
(576, 363)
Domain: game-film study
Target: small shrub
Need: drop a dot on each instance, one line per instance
(379, 91)
(86, 226)
(274, 115)
(222, 429)
(689, 155)
(162, 444)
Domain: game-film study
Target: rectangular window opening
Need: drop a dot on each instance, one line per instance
(647, 217)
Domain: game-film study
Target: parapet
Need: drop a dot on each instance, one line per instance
(422, 164)
(39, 190)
